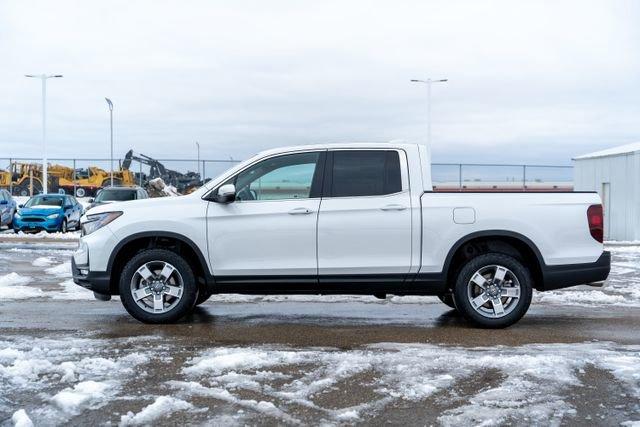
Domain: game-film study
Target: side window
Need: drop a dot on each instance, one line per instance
(284, 177)
(365, 173)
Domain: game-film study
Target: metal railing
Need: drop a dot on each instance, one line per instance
(445, 176)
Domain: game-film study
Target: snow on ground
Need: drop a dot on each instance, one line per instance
(51, 381)
(14, 286)
(42, 235)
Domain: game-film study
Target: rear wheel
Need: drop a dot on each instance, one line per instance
(158, 286)
(80, 192)
(493, 290)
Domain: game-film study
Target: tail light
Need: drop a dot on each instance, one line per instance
(596, 222)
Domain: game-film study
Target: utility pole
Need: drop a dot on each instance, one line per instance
(429, 82)
(44, 78)
(110, 104)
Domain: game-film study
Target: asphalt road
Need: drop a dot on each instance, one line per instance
(320, 362)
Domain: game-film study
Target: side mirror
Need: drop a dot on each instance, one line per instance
(67, 207)
(21, 206)
(91, 200)
(225, 194)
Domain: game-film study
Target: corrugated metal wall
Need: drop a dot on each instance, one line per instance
(622, 172)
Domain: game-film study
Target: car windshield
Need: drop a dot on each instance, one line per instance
(43, 201)
(115, 195)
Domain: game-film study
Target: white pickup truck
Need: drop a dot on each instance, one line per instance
(341, 219)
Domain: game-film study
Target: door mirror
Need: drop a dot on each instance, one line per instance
(92, 200)
(225, 194)
(21, 206)
(67, 207)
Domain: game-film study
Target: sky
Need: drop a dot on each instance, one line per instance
(529, 82)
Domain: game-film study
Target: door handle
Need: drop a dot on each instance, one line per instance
(300, 211)
(393, 208)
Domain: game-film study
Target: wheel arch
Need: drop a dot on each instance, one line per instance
(157, 239)
(500, 241)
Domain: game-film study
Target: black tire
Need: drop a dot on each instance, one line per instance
(447, 299)
(189, 293)
(63, 226)
(519, 307)
(80, 192)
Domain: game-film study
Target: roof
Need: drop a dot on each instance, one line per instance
(615, 151)
(334, 146)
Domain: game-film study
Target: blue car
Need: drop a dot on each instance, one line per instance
(48, 212)
(7, 208)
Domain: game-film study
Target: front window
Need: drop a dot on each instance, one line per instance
(43, 201)
(284, 177)
(115, 196)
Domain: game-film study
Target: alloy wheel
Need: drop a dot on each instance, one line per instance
(493, 291)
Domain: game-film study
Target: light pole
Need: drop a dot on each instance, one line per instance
(428, 82)
(198, 148)
(110, 104)
(43, 78)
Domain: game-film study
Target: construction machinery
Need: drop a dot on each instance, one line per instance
(25, 179)
(183, 182)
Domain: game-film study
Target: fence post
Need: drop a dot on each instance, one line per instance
(203, 170)
(74, 177)
(459, 176)
(10, 176)
(524, 177)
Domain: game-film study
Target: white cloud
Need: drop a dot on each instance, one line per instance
(529, 81)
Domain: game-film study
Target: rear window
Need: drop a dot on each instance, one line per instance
(365, 173)
(116, 195)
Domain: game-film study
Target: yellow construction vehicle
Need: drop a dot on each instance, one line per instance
(89, 181)
(25, 179)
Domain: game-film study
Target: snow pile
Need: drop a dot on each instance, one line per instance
(56, 379)
(13, 286)
(61, 270)
(42, 235)
(42, 262)
(71, 291)
(21, 419)
(529, 383)
(161, 408)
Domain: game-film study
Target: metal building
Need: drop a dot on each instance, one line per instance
(615, 175)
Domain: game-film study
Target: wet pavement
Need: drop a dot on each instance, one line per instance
(68, 359)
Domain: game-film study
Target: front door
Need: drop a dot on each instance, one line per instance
(270, 230)
(364, 227)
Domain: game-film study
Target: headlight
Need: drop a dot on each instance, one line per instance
(53, 216)
(97, 221)
(17, 214)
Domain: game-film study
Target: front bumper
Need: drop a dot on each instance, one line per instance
(564, 276)
(96, 281)
(46, 224)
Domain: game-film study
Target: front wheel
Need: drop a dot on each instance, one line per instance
(493, 290)
(158, 286)
(63, 226)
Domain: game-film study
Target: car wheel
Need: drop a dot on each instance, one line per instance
(63, 226)
(158, 286)
(80, 192)
(493, 290)
(447, 299)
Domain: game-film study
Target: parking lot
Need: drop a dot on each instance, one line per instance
(66, 358)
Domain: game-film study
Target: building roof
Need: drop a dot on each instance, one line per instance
(615, 151)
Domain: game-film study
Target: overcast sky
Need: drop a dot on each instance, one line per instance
(530, 82)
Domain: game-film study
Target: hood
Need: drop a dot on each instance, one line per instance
(156, 202)
(40, 210)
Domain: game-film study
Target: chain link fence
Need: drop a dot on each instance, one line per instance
(445, 176)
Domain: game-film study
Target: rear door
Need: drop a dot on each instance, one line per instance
(364, 226)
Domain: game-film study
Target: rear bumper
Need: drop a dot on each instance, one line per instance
(564, 276)
(96, 281)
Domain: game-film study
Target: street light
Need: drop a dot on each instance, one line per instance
(428, 82)
(43, 78)
(198, 147)
(110, 104)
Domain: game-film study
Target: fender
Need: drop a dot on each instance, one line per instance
(491, 233)
(176, 236)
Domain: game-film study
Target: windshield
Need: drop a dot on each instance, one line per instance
(115, 195)
(43, 201)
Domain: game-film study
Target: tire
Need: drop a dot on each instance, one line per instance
(500, 275)
(175, 304)
(80, 192)
(63, 226)
(447, 299)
